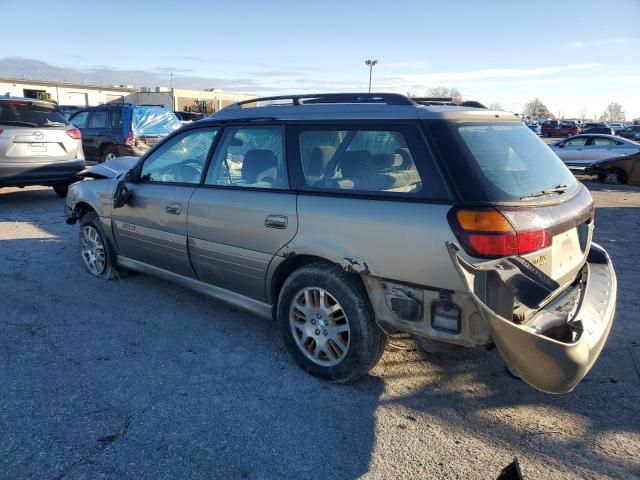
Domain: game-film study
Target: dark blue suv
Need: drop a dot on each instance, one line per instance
(119, 130)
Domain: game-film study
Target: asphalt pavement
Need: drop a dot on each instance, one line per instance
(138, 378)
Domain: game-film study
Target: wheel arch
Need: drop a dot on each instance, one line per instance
(294, 262)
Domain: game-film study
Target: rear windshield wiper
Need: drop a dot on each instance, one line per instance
(54, 124)
(18, 122)
(557, 189)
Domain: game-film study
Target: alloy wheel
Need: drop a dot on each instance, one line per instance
(320, 326)
(92, 250)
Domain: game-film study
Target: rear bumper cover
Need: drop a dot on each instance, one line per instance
(555, 348)
(39, 173)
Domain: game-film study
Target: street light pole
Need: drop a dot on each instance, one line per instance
(370, 64)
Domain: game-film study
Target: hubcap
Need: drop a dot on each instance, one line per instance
(612, 177)
(109, 156)
(92, 250)
(319, 326)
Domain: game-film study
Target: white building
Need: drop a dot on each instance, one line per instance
(82, 95)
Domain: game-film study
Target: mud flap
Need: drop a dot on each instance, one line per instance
(556, 347)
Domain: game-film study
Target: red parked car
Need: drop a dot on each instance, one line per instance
(555, 128)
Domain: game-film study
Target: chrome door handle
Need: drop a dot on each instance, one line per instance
(174, 208)
(276, 221)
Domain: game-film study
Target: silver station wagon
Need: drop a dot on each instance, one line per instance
(350, 217)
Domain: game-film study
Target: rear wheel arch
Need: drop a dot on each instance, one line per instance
(293, 263)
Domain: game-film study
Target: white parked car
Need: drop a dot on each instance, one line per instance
(581, 151)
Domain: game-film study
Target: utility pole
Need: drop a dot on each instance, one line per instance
(370, 63)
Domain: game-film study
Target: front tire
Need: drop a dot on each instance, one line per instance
(615, 176)
(326, 322)
(95, 252)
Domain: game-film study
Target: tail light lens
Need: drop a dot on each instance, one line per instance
(131, 138)
(74, 133)
(487, 233)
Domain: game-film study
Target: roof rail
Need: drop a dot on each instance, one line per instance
(447, 101)
(386, 98)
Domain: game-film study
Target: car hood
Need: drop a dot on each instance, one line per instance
(111, 169)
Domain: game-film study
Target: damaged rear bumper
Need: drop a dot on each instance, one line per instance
(555, 347)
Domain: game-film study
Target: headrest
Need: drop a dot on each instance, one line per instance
(259, 165)
(407, 159)
(318, 160)
(385, 161)
(355, 163)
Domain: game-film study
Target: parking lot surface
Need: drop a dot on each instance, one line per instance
(138, 378)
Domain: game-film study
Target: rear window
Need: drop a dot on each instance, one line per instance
(28, 114)
(498, 162)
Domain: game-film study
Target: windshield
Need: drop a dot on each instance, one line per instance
(28, 114)
(499, 162)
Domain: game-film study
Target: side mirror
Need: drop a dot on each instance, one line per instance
(121, 195)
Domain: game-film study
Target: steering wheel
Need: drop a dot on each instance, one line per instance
(188, 171)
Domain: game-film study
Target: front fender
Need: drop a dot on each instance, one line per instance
(94, 194)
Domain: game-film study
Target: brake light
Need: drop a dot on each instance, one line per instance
(131, 138)
(18, 103)
(488, 233)
(74, 133)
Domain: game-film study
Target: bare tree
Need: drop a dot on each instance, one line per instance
(495, 106)
(535, 108)
(445, 92)
(613, 113)
(583, 115)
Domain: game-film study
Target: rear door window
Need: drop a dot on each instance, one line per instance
(23, 113)
(98, 119)
(115, 118)
(250, 157)
(498, 162)
(376, 160)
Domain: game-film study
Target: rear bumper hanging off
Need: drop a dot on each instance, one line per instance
(554, 348)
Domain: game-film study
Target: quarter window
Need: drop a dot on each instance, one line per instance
(250, 157)
(363, 160)
(180, 159)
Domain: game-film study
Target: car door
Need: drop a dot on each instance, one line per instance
(152, 227)
(97, 124)
(244, 212)
(571, 151)
(601, 148)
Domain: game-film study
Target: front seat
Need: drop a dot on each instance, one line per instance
(260, 168)
(318, 160)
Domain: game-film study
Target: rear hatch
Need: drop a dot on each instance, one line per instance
(33, 132)
(504, 168)
(524, 226)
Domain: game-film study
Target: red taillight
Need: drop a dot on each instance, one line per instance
(488, 233)
(1, 131)
(74, 133)
(131, 138)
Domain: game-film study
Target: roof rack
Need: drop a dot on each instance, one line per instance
(386, 98)
(447, 101)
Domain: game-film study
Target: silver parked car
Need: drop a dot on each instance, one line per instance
(349, 217)
(582, 151)
(38, 145)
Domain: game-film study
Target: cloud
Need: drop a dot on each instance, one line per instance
(173, 70)
(192, 59)
(278, 73)
(601, 42)
(450, 78)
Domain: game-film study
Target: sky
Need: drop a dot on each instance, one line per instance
(577, 56)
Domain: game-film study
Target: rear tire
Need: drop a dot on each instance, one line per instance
(109, 153)
(95, 251)
(61, 189)
(326, 322)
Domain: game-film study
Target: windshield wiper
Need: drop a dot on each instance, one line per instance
(54, 124)
(557, 189)
(18, 122)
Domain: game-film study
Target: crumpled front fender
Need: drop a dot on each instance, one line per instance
(553, 349)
